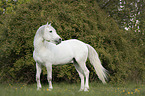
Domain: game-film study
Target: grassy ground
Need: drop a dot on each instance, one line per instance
(63, 89)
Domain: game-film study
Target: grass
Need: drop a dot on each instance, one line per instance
(64, 89)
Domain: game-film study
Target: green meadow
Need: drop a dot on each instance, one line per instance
(65, 89)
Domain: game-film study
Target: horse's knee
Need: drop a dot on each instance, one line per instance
(49, 78)
(87, 72)
(37, 78)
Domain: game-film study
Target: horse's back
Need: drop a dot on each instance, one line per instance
(74, 43)
(79, 48)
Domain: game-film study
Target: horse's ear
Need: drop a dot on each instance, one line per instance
(47, 24)
(50, 24)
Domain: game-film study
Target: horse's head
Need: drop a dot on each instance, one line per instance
(50, 34)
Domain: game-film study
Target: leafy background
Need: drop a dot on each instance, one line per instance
(121, 52)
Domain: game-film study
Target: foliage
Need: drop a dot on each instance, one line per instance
(127, 13)
(83, 20)
(8, 6)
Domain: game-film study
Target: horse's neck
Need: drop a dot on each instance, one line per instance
(38, 42)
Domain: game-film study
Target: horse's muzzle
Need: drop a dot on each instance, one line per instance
(58, 41)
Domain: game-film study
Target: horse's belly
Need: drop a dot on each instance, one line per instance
(63, 61)
(63, 57)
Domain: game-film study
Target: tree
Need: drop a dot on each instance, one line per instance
(127, 13)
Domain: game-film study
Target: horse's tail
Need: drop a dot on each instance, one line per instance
(95, 61)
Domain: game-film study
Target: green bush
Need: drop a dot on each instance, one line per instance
(83, 20)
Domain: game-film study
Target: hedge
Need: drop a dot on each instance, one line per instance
(121, 52)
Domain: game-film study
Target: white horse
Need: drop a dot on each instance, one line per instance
(49, 49)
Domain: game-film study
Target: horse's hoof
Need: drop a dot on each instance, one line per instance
(38, 89)
(50, 88)
(81, 90)
(86, 90)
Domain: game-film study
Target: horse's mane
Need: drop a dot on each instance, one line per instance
(40, 31)
(38, 36)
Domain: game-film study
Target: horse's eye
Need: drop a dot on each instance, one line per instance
(50, 31)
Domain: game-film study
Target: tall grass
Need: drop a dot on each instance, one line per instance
(64, 89)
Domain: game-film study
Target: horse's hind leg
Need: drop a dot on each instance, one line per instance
(81, 74)
(86, 74)
(38, 69)
(81, 66)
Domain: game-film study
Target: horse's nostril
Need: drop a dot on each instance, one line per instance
(60, 39)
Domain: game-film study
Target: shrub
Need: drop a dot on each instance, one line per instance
(83, 20)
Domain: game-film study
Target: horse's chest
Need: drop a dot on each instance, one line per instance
(43, 56)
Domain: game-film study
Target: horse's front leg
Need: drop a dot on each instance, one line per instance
(49, 75)
(38, 72)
